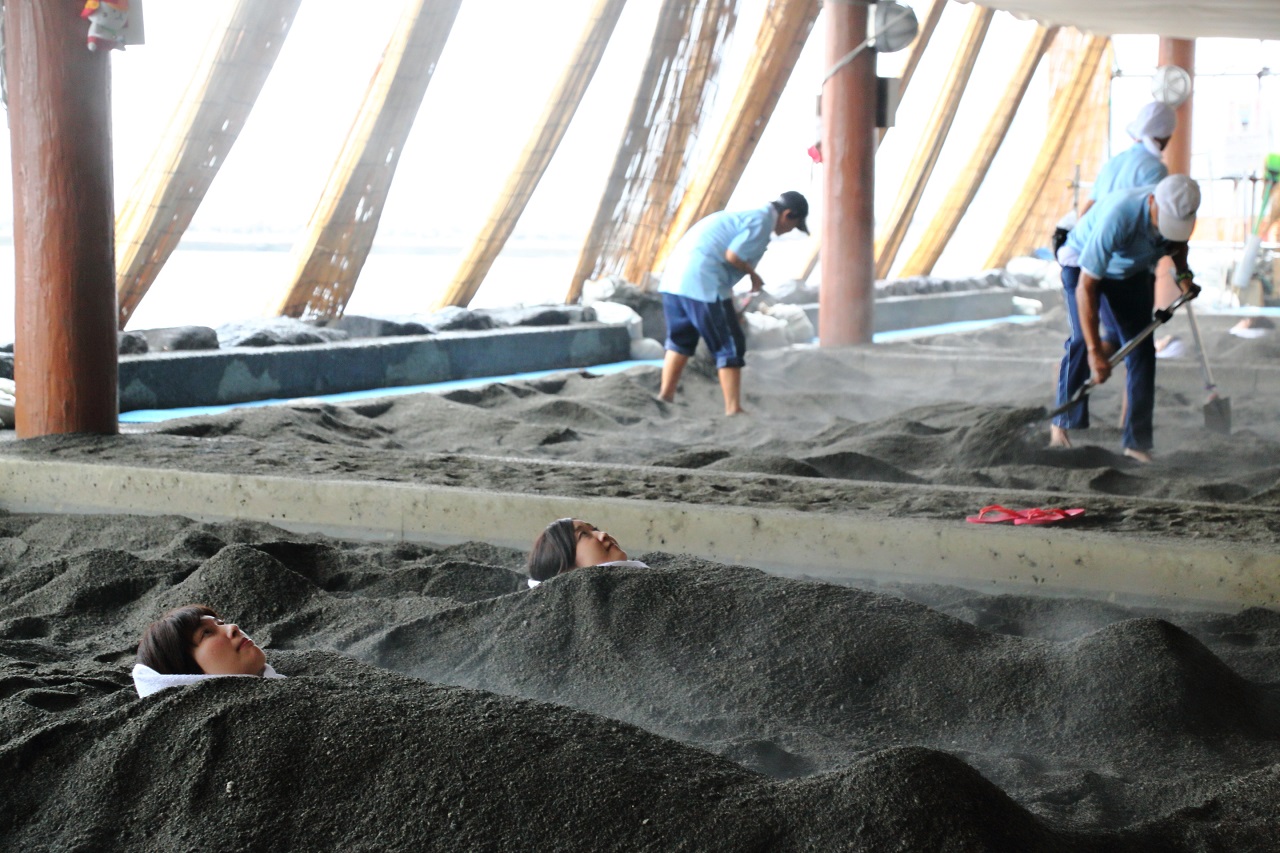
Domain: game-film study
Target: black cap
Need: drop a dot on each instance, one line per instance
(797, 204)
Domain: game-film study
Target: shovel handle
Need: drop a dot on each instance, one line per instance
(1209, 384)
(1162, 316)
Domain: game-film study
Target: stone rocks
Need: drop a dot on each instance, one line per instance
(131, 343)
(180, 338)
(456, 319)
(537, 315)
(648, 304)
(276, 331)
(358, 326)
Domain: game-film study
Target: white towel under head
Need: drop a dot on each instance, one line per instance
(626, 564)
(148, 681)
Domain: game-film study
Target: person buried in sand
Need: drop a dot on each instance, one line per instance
(1110, 256)
(193, 643)
(697, 289)
(571, 543)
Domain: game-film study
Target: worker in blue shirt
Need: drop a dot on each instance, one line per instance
(1141, 164)
(697, 289)
(1110, 258)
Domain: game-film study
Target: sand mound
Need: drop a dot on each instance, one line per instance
(346, 759)
(434, 701)
(951, 414)
(687, 706)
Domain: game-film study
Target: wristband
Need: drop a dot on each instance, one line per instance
(1184, 276)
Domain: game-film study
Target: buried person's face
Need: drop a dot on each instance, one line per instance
(593, 547)
(222, 648)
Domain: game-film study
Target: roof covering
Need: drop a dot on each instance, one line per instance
(1188, 19)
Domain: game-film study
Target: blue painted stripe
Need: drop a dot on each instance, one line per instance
(958, 327)
(147, 416)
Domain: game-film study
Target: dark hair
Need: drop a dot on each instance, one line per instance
(794, 202)
(166, 644)
(554, 551)
(797, 204)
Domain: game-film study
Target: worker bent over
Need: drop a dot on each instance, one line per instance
(697, 289)
(1110, 257)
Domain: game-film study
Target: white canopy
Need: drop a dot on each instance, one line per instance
(1187, 19)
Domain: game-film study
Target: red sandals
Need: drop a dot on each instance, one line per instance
(996, 514)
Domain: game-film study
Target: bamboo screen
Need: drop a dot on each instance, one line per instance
(1080, 79)
(651, 167)
(781, 37)
(537, 154)
(203, 129)
(965, 187)
(932, 138)
(345, 221)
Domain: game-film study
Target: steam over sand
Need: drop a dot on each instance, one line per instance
(435, 703)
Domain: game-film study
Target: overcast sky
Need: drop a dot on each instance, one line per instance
(502, 60)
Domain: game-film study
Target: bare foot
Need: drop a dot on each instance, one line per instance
(735, 412)
(662, 399)
(1058, 437)
(1142, 456)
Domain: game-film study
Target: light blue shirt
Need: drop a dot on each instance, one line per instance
(1136, 167)
(697, 268)
(1116, 238)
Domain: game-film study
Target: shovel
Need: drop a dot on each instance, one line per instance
(1217, 410)
(1162, 316)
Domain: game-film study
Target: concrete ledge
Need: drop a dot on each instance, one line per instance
(214, 377)
(1231, 378)
(893, 313)
(1034, 560)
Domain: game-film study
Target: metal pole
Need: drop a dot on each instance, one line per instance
(64, 221)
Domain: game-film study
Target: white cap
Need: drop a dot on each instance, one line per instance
(1177, 200)
(1155, 120)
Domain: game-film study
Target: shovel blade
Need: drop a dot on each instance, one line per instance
(1217, 415)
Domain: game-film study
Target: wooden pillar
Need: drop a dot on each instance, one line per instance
(1177, 154)
(1069, 103)
(652, 161)
(915, 53)
(63, 221)
(848, 193)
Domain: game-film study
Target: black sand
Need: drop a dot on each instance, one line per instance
(434, 703)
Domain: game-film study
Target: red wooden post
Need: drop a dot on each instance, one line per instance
(848, 156)
(63, 221)
(1177, 155)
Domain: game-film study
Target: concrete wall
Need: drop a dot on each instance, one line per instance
(845, 547)
(214, 377)
(218, 377)
(909, 312)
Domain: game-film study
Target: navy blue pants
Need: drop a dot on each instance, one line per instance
(715, 322)
(1131, 301)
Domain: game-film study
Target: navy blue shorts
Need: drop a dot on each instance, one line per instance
(714, 322)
